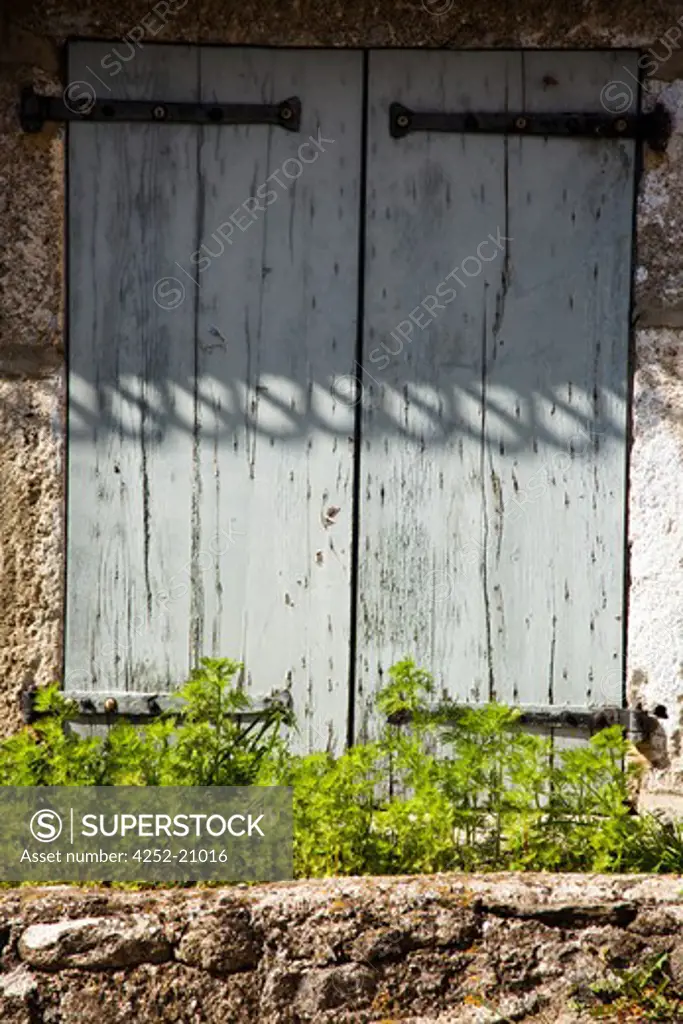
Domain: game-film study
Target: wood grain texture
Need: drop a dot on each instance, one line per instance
(211, 444)
(132, 196)
(555, 565)
(276, 328)
(213, 287)
(493, 458)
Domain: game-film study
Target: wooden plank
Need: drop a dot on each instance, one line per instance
(132, 200)
(482, 508)
(277, 325)
(431, 201)
(557, 388)
(223, 525)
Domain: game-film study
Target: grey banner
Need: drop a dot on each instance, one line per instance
(145, 833)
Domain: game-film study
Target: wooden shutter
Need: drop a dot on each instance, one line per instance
(494, 439)
(208, 444)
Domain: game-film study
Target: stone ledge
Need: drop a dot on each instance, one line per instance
(442, 948)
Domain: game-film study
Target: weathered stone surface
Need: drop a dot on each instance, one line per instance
(607, 23)
(659, 275)
(537, 943)
(95, 943)
(18, 984)
(18, 996)
(655, 921)
(31, 380)
(19, 47)
(31, 494)
(171, 993)
(350, 986)
(655, 653)
(221, 943)
(381, 944)
(676, 963)
(279, 989)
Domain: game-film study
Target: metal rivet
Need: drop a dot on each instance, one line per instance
(520, 122)
(285, 112)
(402, 120)
(159, 112)
(110, 705)
(620, 125)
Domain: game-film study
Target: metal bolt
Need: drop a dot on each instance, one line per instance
(159, 112)
(620, 125)
(285, 112)
(520, 122)
(110, 705)
(403, 120)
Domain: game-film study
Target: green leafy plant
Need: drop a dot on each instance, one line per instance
(333, 810)
(440, 787)
(219, 740)
(645, 993)
(46, 754)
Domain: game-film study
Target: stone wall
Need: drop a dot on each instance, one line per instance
(471, 949)
(31, 285)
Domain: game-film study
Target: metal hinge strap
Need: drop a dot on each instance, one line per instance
(36, 109)
(97, 704)
(637, 723)
(653, 127)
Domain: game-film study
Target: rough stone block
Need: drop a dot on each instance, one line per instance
(94, 942)
(349, 985)
(221, 944)
(18, 996)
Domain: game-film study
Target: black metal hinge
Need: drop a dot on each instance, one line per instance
(35, 110)
(653, 127)
(93, 706)
(638, 724)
